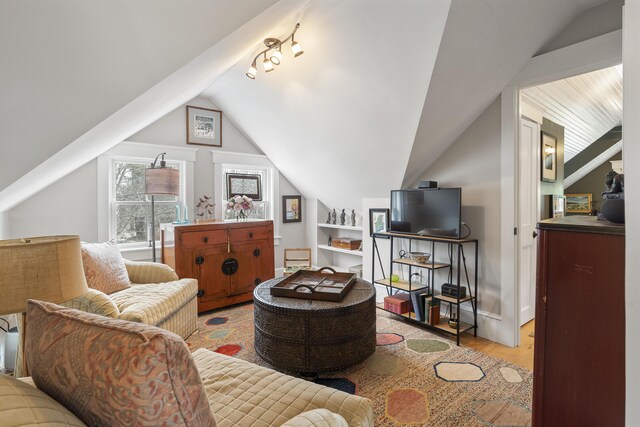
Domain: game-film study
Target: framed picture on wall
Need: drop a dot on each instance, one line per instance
(204, 126)
(291, 209)
(549, 157)
(378, 221)
(578, 203)
(240, 184)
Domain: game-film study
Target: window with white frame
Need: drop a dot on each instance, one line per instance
(130, 207)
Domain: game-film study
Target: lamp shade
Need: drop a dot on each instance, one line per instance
(161, 180)
(46, 268)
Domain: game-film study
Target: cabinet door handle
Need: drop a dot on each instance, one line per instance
(257, 281)
(205, 239)
(199, 260)
(535, 234)
(256, 252)
(251, 235)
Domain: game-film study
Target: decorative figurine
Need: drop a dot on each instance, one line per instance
(330, 241)
(343, 217)
(328, 217)
(333, 217)
(613, 205)
(353, 217)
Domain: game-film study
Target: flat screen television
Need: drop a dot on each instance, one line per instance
(427, 212)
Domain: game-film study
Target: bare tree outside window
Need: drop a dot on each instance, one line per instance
(133, 206)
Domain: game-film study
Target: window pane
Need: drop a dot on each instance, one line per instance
(131, 221)
(129, 181)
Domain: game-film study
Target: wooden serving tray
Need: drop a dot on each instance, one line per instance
(315, 285)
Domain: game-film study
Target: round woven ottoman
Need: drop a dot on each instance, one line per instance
(308, 337)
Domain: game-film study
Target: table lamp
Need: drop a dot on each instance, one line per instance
(160, 181)
(44, 268)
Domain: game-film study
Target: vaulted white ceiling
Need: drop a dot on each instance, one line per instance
(587, 106)
(339, 121)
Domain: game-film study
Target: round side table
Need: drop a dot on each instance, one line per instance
(308, 337)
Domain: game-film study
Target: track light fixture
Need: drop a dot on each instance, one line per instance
(273, 53)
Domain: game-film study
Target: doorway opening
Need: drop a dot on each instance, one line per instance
(569, 139)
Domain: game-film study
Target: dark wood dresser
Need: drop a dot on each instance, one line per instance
(579, 362)
(229, 259)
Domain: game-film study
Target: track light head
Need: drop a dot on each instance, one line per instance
(267, 64)
(252, 71)
(276, 56)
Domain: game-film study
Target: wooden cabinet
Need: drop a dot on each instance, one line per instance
(579, 361)
(228, 259)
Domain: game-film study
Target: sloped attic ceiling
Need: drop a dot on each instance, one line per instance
(587, 106)
(67, 65)
(339, 121)
(484, 45)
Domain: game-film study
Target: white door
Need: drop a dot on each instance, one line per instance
(528, 215)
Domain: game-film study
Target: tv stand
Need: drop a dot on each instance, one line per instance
(423, 294)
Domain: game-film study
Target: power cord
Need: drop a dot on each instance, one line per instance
(468, 228)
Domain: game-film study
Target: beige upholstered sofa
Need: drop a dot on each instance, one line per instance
(91, 370)
(157, 297)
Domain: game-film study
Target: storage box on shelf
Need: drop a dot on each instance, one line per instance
(419, 292)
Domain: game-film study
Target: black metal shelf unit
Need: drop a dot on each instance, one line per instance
(456, 266)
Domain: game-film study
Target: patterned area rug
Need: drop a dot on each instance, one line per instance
(414, 378)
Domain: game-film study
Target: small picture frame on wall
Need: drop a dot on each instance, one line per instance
(378, 221)
(578, 203)
(204, 126)
(291, 209)
(548, 157)
(240, 184)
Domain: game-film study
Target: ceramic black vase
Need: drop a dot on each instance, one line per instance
(613, 210)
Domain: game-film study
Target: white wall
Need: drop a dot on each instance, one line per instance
(171, 130)
(4, 225)
(591, 23)
(67, 65)
(472, 163)
(70, 205)
(631, 159)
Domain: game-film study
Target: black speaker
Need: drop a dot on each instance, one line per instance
(427, 184)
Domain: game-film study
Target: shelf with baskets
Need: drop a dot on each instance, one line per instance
(417, 298)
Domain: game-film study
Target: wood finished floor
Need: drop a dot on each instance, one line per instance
(521, 356)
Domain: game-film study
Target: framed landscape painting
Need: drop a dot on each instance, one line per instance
(378, 221)
(204, 126)
(578, 203)
(549, 157)
(291, 208)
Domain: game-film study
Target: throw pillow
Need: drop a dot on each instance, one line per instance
(104, 267)
(111, 372)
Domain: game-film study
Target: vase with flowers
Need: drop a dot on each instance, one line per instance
(241, 206)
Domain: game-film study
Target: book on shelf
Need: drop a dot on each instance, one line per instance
(418, 300)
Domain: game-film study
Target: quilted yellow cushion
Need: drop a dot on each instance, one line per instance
(154, 303)
(24, 405)
(316, 418)
(104, 267)
(243, 394)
